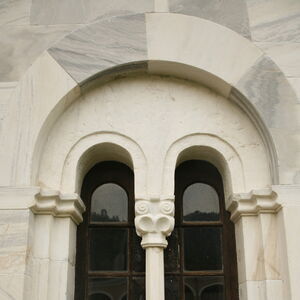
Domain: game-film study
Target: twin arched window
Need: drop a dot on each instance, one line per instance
(200, 261)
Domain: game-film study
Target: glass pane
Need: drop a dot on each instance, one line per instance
(200, 203)
(202, 248)
(138, 254)
(204, 288)
(107, 288)
(108, 249)
(109, 204)
(171, 255)
(138, 288)
(189, 293)
(171, 287)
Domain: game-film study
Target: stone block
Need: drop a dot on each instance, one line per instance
(230, 13)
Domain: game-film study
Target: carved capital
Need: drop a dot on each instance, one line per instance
(50, 202)
(254, 203)
(154, 220)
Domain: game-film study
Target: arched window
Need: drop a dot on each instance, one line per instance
(109, 260)
(200, 261)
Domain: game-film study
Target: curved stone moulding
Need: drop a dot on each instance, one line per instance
(253, 203)
(148, 43)
(154, 221)
(49, 202)
(154, 49)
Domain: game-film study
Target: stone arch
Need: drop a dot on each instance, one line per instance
(217, 151)
(137, 37)
(94, 148)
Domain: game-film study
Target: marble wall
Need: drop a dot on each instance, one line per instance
(28, 27)
(275, 28)
(13, 252)
(31, 26)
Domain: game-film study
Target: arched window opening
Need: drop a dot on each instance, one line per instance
(200, 261)
(109, 260)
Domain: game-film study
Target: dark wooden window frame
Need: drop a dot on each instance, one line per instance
(106, 172)
(196, 171)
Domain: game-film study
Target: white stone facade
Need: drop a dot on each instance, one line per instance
(150, 84)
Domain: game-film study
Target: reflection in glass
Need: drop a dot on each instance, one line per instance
(171, 253)
(171, 287)
(188, 293)
(107, 288)
(138, 254)
(138, 288)
(213, 292)
(204, 288)
(200, 203)
(202, 248)
(109, 204)
(108, 249)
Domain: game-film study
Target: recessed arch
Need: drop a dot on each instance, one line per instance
(103, 146)
(97, 147)
(233, 80)
(212, 149)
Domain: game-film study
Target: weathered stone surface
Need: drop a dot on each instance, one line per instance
(230, 13)
(270, 92)
(84, 11)
(15, 12)
(274, 21)
(102, 45)
(21, 45)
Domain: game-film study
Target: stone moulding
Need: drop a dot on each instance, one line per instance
(154, 220)
(49, 202)
(253, 203)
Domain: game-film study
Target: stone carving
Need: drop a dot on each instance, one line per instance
(154, 221)
(49, 202)
(253, 203)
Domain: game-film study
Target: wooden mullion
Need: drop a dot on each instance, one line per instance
(202, 224)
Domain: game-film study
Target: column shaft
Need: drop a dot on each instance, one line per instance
(155, 284)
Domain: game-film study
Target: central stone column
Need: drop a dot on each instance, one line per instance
(154, 221)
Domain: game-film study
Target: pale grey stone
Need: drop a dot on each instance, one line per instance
(230, 13)
(96, 9)
(84, 11)
(285, 54)
(275, 20)
(266, 87)
(15, 12)
(21, 45)
(13, 229)
(285, 29)
(57, 12)
(101, 46)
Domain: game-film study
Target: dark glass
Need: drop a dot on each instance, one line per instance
(171, 255)
(200, 203)
(214, 292)
(109, 204)
(188, 293)
(108, 249)
(107, 288)
(138, 254)
(171, 287)
(202, 248)
(204, 288)
(138, 288)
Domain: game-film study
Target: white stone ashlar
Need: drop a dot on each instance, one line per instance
(154, 221)
(253, 203)
(50, 202)
(259, 247)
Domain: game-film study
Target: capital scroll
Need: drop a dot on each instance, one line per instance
(154, 221)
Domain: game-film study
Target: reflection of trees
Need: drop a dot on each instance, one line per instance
(201, 216)
(104, 217)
